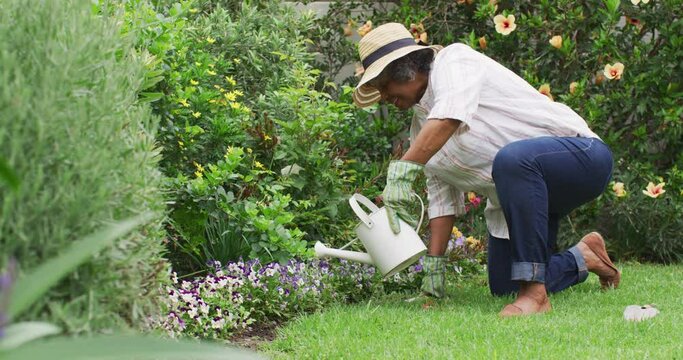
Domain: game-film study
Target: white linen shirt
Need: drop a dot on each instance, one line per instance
(496, 107)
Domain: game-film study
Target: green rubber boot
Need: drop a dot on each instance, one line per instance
(434, 280)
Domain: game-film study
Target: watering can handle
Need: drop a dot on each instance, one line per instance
(363, 216)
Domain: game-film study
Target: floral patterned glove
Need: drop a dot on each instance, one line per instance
(398, 192)
(434, 280)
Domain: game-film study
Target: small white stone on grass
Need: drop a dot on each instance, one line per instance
(640, 312)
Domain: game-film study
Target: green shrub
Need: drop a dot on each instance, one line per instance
(638, 115)
(634, 224)
(84, 151)
(238, 106)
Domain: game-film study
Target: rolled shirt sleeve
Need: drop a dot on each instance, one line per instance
(444, 199)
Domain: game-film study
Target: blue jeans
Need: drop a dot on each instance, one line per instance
(538, 181)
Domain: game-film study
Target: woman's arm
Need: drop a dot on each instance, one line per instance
(431, 138)
(441, 228)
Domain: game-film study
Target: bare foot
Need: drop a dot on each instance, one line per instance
(532, 299)
(592, 248)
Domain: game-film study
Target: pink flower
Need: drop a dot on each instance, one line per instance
(572, 87)
(618, 189)
(505, 25)
(653, 190)
(545, 90)
(614, 71)
(473, 199)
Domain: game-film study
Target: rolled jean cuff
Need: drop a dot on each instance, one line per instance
(580, 263)
(528, 271)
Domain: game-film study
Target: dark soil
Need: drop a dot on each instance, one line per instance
(257, 335)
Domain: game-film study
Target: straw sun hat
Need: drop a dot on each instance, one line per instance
(377, 49)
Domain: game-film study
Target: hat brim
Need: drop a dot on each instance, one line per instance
(365, 95)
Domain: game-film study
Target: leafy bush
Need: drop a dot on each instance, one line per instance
(564, 48)
(259, 161)
(17, 340)
(84, 150)
(634, 224)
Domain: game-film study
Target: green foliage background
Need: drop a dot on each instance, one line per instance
(83, 149)
(238, 106)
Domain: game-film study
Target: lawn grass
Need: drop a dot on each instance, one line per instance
(586, 323)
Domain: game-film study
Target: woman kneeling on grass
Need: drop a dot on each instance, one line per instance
(480, 127)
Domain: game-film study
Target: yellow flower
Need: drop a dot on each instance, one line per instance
(193, 82)
(230, 150)
(366, 28)
(249, 150)
(230, 96)
(556, 41)
(198, 174)
(572, 87)
(199, 167)
(505, 25)
(211, 72)
(456, 233)
(482, 42)
(212, 66)
(635, 2)
(545, 90)
(258, 165)
(183, 102)
(618, 189)
(231, 80)
(614, 71)
(235, 105)
(236, 60)
(266, 137)
(653, 190)
(210, 40)
(472, 242)
(238, 93)
(196, 114)
(180, 143)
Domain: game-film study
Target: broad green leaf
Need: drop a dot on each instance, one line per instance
(125, 347)
(31, 287)
(23, 332)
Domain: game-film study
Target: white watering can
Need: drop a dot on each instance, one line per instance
(389, 252)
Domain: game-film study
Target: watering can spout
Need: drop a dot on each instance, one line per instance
(324, 251)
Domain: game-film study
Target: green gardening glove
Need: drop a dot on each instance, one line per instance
(434, 279)
(398, 192)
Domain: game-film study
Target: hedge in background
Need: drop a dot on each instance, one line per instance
(84, 152)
